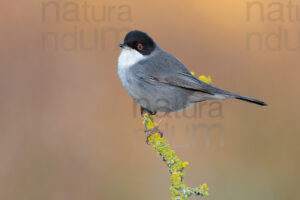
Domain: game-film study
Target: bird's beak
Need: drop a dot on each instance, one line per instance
(122, 45)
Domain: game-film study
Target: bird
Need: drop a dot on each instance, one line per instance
(159, 82)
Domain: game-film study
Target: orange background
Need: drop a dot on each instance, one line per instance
(68, 129)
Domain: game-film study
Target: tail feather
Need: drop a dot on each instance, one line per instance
(251, 100)
(223, 94)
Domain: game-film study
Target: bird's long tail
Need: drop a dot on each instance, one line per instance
(249, 99)
(223, 94)
(218, 93)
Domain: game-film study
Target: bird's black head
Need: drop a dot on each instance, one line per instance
(139, 41)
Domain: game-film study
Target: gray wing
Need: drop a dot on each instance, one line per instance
(166, 69)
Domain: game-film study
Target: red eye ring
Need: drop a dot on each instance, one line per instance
(139, 46)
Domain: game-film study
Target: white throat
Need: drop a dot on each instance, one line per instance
(129, 57)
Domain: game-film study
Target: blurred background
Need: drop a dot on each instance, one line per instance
(69, 130)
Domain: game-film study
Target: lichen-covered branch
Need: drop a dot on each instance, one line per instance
(176, 167)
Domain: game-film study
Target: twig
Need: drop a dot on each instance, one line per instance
(176, 167)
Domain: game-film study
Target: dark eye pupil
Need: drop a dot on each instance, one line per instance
(140, 47)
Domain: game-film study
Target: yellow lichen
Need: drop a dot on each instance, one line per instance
(176, 166)
(206, 79)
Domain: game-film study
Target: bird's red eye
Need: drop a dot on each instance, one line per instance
(139, 47)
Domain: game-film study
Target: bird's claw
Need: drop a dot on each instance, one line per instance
(153, 131)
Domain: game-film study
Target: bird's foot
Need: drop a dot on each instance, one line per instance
(152, 131)
(144, 111)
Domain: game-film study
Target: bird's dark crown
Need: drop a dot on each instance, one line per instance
(139, 41)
